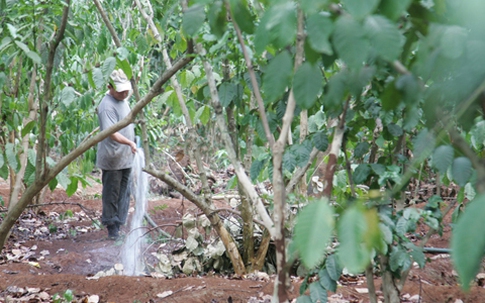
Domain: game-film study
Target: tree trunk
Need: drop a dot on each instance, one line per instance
(18, 183)
(389, 288)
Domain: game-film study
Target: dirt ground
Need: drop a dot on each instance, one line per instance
(35, 265)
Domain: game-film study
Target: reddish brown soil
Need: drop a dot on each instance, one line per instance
(73, 261)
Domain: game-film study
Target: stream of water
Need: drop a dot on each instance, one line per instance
(131, 254)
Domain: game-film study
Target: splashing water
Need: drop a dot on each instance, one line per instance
(131, 254)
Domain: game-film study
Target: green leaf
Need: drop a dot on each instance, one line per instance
(360, 8)
(385, 38)
(63, 180)
(27, 129)
(2, 161)
(277, 76)
(319, 29)
(442, 158)
(462, 170)
(333, 267)
(53, 184)
(391, 97)
(22, 46)
(193, 19)
(418, 255)
(125, 67)
(326, 281)
(313, 229)
(67, 95)
(453, 41)
(72, 187)
(289, 160)
(467, 244)
(11, 157)
(203, 114)
(423, 144)
(350, 41)
(227, 92)
(394, 9)
(318, 293)
(34, 56)
(307, 84)
(68, 295)
(12, 29)
(98, 79)
(108, 67)
(397, 258)
(304, 299)
(281, 23)
(217, 18)
(361, 149)
(395, 130)
(352, 251)
(386, 233)
(256, 168)
(262, 37)
(6, 41)
(320, 140)
(312, 6)
(242, 16)
(361, 173)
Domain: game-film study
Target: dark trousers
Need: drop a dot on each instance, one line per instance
(116, 196)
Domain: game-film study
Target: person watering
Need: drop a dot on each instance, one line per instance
(115, 153)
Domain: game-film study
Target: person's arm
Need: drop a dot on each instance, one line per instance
(123, 140)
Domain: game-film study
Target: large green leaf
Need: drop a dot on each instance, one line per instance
(313, 229)
(312, 6)
(361, 173)
(203, 114)
(304, 299)
(393, 9)
(242, 16)
(217, 18)
(277, 76)
(360, 8)
(27, 129)
(307, 84)
(319, 29)
(462, 170)
(97, 78)
(193, 19)
(467, 242)
(385, 38)
(350, 41)
(320, 140)
(442, 158)
(352, 251)
(68, 95)
(318, 293)
(423, 144)
(361, 149)
(256, 168)
(453, 41)
(72, 187)
(326, 281)
(2, 161)
(108, 66)
(281, 23)
(227, 92)
(333, 267)
(11, 157)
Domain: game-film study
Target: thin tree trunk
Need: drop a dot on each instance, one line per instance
(25, 144)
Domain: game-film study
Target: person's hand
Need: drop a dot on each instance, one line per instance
(133, 147)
